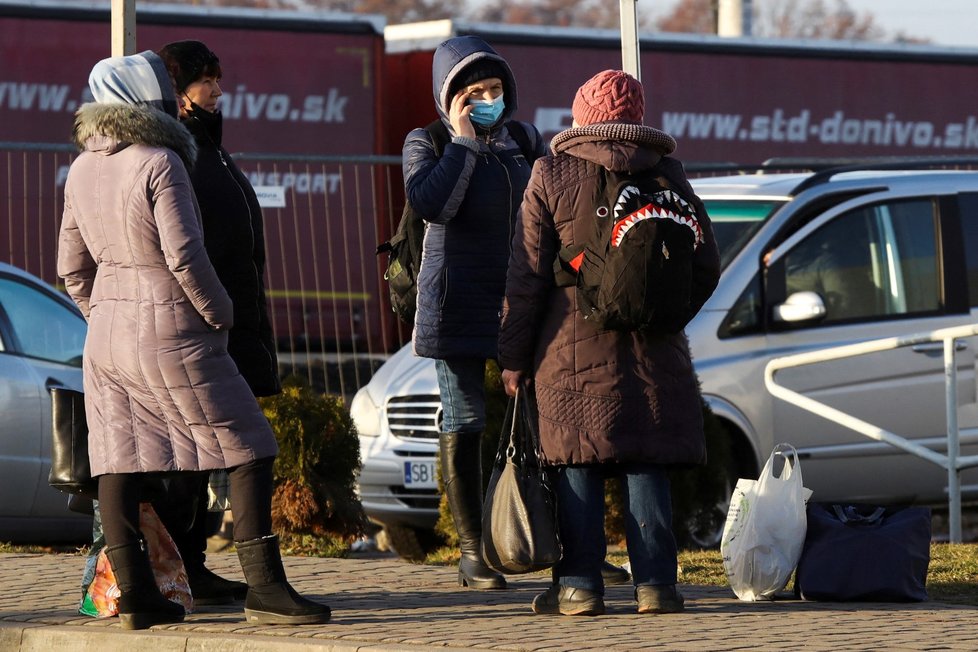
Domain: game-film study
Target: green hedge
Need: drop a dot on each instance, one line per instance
(315, 470)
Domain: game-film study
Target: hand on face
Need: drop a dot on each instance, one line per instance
(483, 91)
(458, 115)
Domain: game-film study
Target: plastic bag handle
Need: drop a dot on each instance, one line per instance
(851, 517)
(789, 463)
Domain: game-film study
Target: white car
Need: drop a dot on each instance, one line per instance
(42, 335)
(398, 417)
(810, 260)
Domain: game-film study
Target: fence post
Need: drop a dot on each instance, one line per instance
(123, 27)
(953, 442)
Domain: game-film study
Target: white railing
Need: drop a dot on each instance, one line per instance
(952, 462)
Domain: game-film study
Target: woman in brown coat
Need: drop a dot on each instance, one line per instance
(610, 402)
(161, 392)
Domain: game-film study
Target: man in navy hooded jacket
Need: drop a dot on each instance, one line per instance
(468, 197)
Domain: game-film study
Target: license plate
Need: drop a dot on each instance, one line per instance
(420, 475)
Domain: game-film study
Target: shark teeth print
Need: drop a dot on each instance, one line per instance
(665, 205)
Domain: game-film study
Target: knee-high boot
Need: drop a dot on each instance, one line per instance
(141, 605)
(271, 599)
(461, 465)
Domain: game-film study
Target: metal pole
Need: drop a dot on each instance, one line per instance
(730, 18)
(953, 442)
(123, 27)
(629, 38)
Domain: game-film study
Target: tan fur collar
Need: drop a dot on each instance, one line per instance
(130, 123)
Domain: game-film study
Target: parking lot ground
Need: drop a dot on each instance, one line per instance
(386, 604)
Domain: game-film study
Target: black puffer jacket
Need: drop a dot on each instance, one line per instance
(469, 200)
(234, 237)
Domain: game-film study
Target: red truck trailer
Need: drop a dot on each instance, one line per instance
(724, 99)
(302, 87)
(297, 86)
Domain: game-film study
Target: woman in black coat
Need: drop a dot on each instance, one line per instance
(235, 243)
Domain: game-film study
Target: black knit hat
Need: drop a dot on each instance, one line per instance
(477, 71)
(188, 61)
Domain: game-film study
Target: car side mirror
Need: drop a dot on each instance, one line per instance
(800, 307)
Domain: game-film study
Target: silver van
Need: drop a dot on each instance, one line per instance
(810, 260)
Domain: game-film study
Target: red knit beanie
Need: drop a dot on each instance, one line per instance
(609, 96)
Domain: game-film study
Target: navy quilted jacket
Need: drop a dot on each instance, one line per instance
(469, 200)
(603, 395)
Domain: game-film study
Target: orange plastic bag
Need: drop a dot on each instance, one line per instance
(102, 599)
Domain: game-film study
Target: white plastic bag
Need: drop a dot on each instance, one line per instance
(765, 528)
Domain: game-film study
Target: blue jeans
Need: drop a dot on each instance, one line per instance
(462, 385)
(648, 524)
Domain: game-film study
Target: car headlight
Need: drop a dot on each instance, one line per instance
(365, 414)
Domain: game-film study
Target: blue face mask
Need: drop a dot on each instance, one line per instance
(486, 112)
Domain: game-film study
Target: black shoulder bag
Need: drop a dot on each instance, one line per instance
(70, 470)
(519, 516)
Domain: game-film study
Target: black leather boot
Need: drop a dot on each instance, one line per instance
(461, 468)
(141, 605)
(271, 600)
(209, 588)
(206, 587)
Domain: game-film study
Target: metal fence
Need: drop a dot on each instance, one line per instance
(951, 461)
(328, 299)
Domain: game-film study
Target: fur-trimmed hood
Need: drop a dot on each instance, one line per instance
(111, 127)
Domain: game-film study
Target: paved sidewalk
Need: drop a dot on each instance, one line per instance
(386, 604)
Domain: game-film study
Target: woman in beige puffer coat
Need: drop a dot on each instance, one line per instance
(161, 393)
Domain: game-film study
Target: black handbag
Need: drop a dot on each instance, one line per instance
(864, 553)
(70, 470)
(519, 516)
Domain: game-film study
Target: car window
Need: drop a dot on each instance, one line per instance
(745, 316)
(876, 261)
(40, 326)
(735, 222)
(969, 225)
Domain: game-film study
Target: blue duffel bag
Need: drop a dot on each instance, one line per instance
(864, 553)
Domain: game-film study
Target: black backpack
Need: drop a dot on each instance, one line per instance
(404, 247)
(635, 270)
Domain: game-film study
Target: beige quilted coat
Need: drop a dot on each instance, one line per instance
(161, 392)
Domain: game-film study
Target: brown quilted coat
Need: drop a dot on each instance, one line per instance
(603, 396)
(161, 392)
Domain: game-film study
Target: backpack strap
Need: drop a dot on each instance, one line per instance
(568, 261)
(567, 264)
(518, 131)
(439, 135)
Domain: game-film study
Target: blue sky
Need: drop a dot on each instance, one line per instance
(944, 22)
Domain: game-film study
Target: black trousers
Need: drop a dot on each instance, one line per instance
(119, 496)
